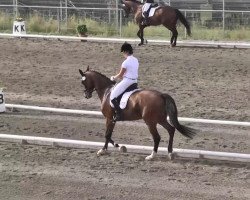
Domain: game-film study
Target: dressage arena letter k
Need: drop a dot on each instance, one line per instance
(22, 28)
(16, 28)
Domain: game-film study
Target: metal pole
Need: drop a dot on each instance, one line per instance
(66, 14)
(58, 19)
(14, 2)
(15, 9)
(185, 28)
(61, 10)
(120, 23)
(117, 15)
(109, 16)
(223, 15)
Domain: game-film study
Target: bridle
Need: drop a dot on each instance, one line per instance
(88, 93)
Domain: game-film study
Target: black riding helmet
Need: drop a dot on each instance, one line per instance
(126, 47)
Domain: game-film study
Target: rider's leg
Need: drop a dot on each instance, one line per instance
(145, 19)
(118, 110)
(146, 14)
(117, 91)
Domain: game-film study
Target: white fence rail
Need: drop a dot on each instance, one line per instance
(121, 40)
(86, 112)
(185, 153)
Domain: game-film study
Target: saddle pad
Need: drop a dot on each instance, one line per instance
(125, 97)
(151, 12)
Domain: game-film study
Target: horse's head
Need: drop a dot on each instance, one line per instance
(94, 81)
(126, 8)
(129, 6)
(87, 82)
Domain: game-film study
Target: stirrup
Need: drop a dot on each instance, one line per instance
(117, 118)
(144, 23)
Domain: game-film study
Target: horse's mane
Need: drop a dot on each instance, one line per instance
(138, 2)
(100, 74)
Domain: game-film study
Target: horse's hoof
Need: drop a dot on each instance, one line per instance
(169, 156)
(101, 152)
(116, 145)
(123, 149)
(151, 157)
(140, 44)
(146, 41)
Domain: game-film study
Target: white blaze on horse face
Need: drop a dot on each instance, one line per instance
(83, 78)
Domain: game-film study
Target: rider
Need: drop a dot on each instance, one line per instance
(147, 6)
(128, 73)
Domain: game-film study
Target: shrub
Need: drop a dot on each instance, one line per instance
(82, 29)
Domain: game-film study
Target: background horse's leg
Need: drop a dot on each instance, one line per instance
(174, 37)
(140, 34)
(175, 33)
(109, 130)
(153, 130)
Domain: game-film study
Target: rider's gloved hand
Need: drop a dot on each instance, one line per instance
(112, 78)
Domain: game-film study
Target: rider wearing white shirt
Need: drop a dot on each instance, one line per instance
(128, 73)
(147, 6)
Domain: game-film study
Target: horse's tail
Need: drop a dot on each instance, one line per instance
(183, 20)
(171, 110)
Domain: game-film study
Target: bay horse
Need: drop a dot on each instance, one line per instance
(164, 15)
(150, 105)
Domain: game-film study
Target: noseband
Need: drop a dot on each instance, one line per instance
(88, 93)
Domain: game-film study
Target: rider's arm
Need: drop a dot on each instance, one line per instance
(120, 74)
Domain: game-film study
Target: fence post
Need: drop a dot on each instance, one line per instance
(61, 10)
(223, 15)
(117, 16)
(185, 28)
(66, 14)
(15, 8)
(109, 16)
(58, 19)
(120, 23)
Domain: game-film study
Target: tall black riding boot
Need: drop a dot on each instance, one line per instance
(118, 110)
(145, 19)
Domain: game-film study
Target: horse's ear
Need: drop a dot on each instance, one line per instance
(87, 68)
(81, 72)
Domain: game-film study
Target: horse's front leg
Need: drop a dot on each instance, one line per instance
(140, 34)
(110, 124)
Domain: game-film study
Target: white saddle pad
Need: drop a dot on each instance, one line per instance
(151, 12)
(124, 100)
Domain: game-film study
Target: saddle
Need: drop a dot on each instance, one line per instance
(123, 98)
(153, 8)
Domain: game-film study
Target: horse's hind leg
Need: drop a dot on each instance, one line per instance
(171, 131)
(153, 130)
(173, 37)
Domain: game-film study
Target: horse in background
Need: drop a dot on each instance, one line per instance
(164, 15)
(150, 105)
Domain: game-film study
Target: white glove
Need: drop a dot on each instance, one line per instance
(112, 78)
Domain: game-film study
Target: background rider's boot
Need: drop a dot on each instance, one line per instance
(145, 19)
